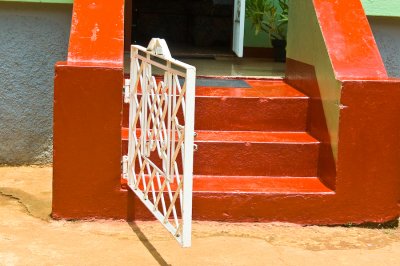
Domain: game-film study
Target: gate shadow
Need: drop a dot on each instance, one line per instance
(145, 241)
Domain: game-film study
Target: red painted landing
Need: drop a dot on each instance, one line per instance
(259, 89)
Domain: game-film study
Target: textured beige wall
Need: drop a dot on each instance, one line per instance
(306, 44)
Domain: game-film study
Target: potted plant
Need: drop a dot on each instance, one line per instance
(271, 17)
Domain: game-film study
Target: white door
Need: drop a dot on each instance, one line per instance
(238, 27)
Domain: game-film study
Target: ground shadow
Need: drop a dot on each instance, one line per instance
(145, 241)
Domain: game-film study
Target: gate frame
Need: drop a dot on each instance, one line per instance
(174, 98)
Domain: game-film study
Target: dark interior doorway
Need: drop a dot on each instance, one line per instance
(192, 28)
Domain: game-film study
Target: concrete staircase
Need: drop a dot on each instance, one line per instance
(253, 148)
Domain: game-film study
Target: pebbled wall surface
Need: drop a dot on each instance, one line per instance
(387, 35)
(33, 37)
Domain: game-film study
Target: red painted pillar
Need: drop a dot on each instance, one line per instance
(87, 115)
(87, 143)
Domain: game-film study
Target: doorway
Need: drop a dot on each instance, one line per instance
(202, 33)
(192, 29)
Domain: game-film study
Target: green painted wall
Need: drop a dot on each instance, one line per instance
(252, 40)
(388, 8)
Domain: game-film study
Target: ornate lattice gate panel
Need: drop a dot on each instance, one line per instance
(159, 165)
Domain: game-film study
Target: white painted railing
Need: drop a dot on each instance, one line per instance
(159, 165)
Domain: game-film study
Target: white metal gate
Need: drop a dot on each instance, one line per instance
(159, 165)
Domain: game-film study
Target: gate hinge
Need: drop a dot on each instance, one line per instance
(124, 167)
(195, 147)
(127, 90)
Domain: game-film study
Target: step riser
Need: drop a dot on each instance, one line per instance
(257, 207)
(249, 114)
(255, 114)
(254, 159)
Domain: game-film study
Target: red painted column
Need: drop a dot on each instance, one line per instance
(366, 172)
(368, 185)
(349, 40)
(87, 143)
(87, 115)
(97, 33)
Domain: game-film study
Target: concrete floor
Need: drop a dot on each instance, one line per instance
(29, 237)
(231, 66)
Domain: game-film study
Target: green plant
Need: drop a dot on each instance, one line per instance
(269, 16)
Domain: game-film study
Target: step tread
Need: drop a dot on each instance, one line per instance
(258, 184)
(248, 136)
(255, 184)
(255, 136)
(259, 89)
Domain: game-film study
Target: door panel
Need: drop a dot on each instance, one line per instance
(238, 27)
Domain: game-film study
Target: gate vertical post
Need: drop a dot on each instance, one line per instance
(188, 165)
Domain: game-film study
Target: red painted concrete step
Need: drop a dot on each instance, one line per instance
(258, 184)
(245, 153)
(269, 105)
(252, 198)
(252, 184)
